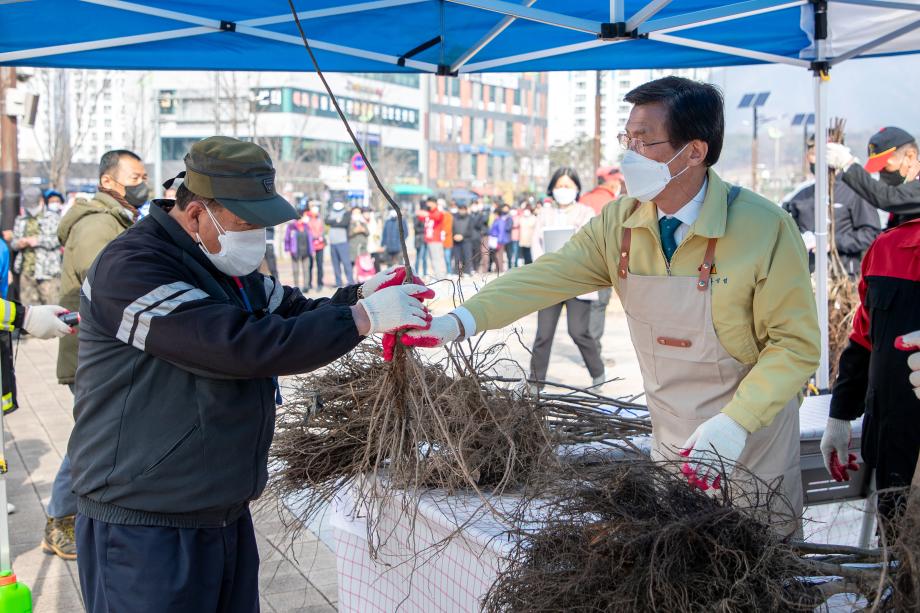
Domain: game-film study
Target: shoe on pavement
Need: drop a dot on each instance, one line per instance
(599, 380)
(59, 538)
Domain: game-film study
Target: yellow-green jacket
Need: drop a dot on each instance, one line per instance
(763, 306)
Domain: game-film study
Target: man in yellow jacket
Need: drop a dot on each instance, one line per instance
(715, 284)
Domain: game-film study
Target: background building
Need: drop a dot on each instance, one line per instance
(487, 135)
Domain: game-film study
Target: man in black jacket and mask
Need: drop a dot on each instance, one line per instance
(856, 223)
(891, 151)
(182, 342)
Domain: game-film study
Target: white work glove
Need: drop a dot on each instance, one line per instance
(396, 308)
(834, 445)
(713, 447)
(810, 240)
(906, 343)
(41, 321)
(839, 156)
(443, 330)
(393, 275)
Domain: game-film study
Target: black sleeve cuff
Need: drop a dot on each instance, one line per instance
(347, 295)
(20, 318)
(848, 400)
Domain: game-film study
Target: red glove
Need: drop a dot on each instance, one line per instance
(838, 470)
(397, 278)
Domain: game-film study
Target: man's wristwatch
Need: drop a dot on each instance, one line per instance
(361, 292)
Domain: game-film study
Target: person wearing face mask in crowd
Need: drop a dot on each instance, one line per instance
(892, 151)
(54, 201)
(528, 221)
(182, 342)
(86, 228)
(500, 237)
(856, 222)
(339, 220)
(464, 239)
(298, 244)
(715, 284)
(318, 231)
(555, 224)
(37, 250)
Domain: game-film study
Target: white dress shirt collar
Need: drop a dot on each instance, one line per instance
(690, 211)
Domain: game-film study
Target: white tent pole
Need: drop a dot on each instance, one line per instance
(536, 55)
(720, 14)
(617, 11)
(821, 222)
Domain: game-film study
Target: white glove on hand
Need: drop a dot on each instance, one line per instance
(41, 321)
(394, 275)
(714, 446)
(394, 308)
(810, 240)
(839, 156)
(834, 445)
(443, 330)
(914, 362)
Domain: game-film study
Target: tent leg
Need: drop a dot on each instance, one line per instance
(821, 225)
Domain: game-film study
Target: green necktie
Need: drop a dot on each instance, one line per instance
(667, 226)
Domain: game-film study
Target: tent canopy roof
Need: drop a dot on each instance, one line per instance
(445, 35)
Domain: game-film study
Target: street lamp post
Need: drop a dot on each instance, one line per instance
(804, 120)
(754, 101)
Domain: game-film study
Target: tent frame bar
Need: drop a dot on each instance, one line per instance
(726, 50)
(520, 11)
(645, 13)
(875, 43)
(210, 26)
(534, 55)
(727, 12)
(881, 4)
(491, 35)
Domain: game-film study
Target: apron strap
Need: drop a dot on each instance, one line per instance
(709, 258)
(624, 252)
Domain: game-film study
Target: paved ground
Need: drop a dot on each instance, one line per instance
(295, 576)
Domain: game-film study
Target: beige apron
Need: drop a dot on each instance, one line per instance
(690, 377)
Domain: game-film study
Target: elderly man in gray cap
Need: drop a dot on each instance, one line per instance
(181, 344)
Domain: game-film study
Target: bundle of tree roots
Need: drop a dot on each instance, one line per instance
(631, 536)
(386, 431)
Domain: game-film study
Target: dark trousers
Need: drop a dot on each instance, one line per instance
(144, 569)
(526, 255)
(317, 261)
(463, 257)
(578, 313)
(341, 259)
(599, 314)
(299, 268)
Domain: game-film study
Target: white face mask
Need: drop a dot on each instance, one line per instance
(240, 253)
(564, 195)
(647, 178)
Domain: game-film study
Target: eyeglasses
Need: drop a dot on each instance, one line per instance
(636, 144)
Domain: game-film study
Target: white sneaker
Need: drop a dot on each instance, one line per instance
(599, 380)
(10, 508)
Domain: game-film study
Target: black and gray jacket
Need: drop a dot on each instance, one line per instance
(175, 396)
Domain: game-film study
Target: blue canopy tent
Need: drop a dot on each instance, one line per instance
(448, 37)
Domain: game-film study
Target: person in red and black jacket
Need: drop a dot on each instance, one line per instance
(873, 379)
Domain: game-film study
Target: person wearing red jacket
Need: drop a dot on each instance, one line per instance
(874, 374)
(434, 240)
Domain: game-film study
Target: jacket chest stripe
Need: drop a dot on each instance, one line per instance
(131, 314)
